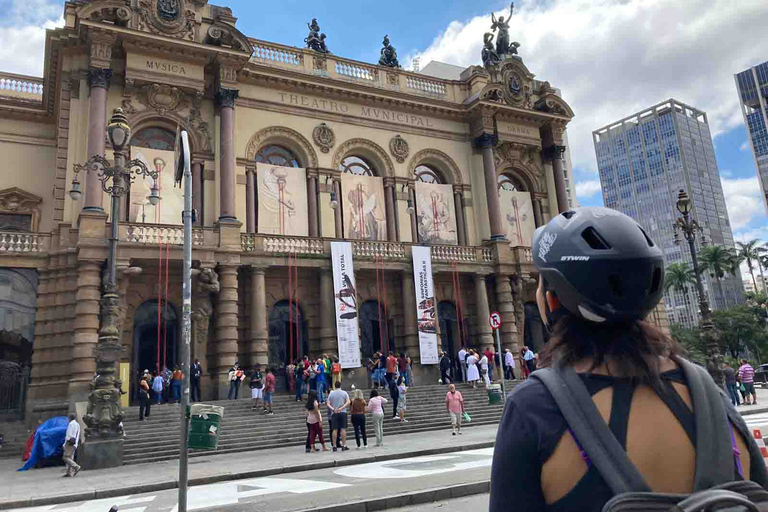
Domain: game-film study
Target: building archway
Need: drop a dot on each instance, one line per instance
(284, 137)
(368, 151)
(372, 332)
(153, 348)
(282, 331)
(534, 333)
(450, 328)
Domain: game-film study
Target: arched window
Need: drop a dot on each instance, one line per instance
(154, 138)
(277, 155)
(427, 174)
(357, 165)
(509, 183)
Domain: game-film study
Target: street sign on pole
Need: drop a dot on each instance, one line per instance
(495, 320)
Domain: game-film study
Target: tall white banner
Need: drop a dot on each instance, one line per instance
(345, 302)
(425, 304)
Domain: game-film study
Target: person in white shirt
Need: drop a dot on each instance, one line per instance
(71, 441)
(484, 370)
(509, 365)
(463, 363)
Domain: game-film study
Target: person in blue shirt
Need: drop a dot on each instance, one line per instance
(320, 380)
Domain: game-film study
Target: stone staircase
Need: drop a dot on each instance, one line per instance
(157, 437)
(15, 435)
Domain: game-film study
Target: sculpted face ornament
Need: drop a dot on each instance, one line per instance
(168, 9)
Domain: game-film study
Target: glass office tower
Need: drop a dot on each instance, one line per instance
(752, 85)
(644, 160)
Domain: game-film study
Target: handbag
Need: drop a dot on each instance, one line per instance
(742, 388)
(467, 418)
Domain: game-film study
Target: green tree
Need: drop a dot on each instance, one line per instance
(678, 277)
(718, 261)
(690, 340)
(749, 252)
(741, 327)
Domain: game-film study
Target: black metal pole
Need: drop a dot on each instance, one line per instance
(117, 187)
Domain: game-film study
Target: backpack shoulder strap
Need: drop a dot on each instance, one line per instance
(599, 443)
(714, 452)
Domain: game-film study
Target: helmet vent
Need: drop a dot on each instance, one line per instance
(647, 238)
(569, 214)
(614, 281)
(656, 282)
(594, 240)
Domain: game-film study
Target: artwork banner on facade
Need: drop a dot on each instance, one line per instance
(436, 215)
(517, 209)
(363, 199)
(345, 305)
(426, 308)
(282, 200)
(171, 205)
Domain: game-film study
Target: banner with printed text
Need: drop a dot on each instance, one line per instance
(345, 302)
(426, 308)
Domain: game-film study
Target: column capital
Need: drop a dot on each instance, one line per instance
(486, 140)
(250, 169)
(225, 98)
(100, 77)
(258, 268)
(389, 182)
(312, 172)
(554, 152)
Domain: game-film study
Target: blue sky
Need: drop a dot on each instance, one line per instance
(611, 58)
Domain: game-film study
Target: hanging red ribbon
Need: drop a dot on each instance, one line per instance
(165, 306)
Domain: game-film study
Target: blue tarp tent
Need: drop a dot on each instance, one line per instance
(49, 441)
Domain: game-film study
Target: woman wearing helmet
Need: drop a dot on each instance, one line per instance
(600, 275)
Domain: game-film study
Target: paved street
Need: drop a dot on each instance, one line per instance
(477, 503)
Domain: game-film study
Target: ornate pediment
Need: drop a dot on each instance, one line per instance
(221, 34)
(16, 201)
(553, 104)
(168, 17)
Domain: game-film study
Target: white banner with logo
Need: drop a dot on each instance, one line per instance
(345, 302)
(426, 318)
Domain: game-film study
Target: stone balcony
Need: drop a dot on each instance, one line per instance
(21, 87)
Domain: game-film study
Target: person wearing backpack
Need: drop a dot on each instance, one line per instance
(335, 372)
(613, 410)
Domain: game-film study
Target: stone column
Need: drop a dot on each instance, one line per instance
(197, 191)
(459, 206)
(226, 328)
(312, 203)
(337, 210)
(86, 335)
(508, 331)
(328, 341)
(259, 350)
(225, 98)
(486, 142)
(555, 153)
(410, 332)
(389, 203)
(414, 227)
(484, 335)
(99, 80)
(250, 201)
(538, 215)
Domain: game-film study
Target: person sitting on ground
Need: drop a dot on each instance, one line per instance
(338, 401)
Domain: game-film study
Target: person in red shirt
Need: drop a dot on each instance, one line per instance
(391, 365)
(491, 360)
(269, 389)
(402, 365)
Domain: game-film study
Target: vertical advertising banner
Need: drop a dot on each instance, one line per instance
(345, 302)
(426, 318)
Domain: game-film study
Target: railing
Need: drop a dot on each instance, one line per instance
(286, 245)
(20, 86)
(23, 242)
(356, 71)
(428, 86)
(383, 250)
(523, 254)
(275, 54)
(161, 234)
(453, 253)
(248, 242)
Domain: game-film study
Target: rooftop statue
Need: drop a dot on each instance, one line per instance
(388, 55)
(315, 40)
(503, 46)
(489, 55)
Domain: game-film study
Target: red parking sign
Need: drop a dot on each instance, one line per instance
(495, 320)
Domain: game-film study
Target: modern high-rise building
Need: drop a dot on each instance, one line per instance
(752, 85)
(644, 160)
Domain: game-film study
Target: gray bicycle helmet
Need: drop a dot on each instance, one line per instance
(600, 263)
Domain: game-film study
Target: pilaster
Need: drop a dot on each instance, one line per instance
(225, 349)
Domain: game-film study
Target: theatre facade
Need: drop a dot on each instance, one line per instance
(293, 149)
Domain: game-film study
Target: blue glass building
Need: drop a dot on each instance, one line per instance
(752, 85)
(644, 160)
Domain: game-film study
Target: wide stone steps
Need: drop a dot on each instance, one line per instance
(157, 438)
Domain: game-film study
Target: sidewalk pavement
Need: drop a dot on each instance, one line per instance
(45, 486)
(762, 403)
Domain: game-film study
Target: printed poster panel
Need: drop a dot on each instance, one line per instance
(171, 205)
(517, 213)
(363, 200)
(345, 303)
(282, 200)
(425, 304)
(436, 215)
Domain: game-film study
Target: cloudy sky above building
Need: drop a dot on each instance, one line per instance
(610, 58)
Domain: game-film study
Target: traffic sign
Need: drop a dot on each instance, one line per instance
(495, 320)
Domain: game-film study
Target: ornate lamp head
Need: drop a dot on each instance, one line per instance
(118, 130)
(154, 195)
(76, 192)
(334, 201)
(683, 202)
(409, 210)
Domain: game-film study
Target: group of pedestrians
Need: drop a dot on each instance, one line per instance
(384, 369)
(740, 382)
(318, 375)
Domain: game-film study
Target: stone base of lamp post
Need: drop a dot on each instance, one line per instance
(101, 454)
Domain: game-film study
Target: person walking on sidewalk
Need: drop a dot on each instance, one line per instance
(335, 371)
(509, 365)
(256, 385)
(747, 377)
(269, 391)
(71, 442)
(157, 388)
(236, 376)
(402, 389)
(195, 373)
(358, 409)
(445, 367)
(463, 363)
(454, 403)
(376, 408)
(530, 359)
(314, 423)
(473, 373)
(338, 401)
(730, 384)
(144, 400)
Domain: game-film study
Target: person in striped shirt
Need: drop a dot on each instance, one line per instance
(747, 378)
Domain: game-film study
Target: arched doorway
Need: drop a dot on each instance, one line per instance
(153, 350)
(372, 332)
(535, 335)
(450, 329)
(282, 331)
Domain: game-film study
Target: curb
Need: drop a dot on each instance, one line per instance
(258, 473)
(748, 412)
(409, 499)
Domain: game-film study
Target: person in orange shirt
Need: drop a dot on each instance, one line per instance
(391, 366)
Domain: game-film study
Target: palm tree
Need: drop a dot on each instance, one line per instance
(718, 261)
(762, 261)
(678, 277)
(749, 252)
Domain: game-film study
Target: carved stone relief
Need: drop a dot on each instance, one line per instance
(18, 202)
(399, 148)
(167, 17)
(324, 137)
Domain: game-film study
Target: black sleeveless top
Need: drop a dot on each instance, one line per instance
(532, 426)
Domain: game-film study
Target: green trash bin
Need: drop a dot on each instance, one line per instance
(494, 394)
(204, 424)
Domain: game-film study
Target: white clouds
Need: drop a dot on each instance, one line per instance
(22, 34)
(742, 196)
(745, 146)
(589, 188)
(612, 58)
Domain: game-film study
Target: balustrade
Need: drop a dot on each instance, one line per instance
(290, 245)
(161, 234)
(428, 86)
(453, 253)
(356, 71)
(23, 242)
(383, 250)
(21, 86)
(268, 53)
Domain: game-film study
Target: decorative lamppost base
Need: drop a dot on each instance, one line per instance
(101, 454)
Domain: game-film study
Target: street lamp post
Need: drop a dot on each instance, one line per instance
(689, 228)
(104, 417)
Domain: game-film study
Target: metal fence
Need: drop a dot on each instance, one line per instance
(14, 379)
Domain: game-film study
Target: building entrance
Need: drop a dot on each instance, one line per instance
(153, 348)
(372, 331)
(285, 344)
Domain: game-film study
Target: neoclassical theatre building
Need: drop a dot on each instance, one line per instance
(293, 148)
